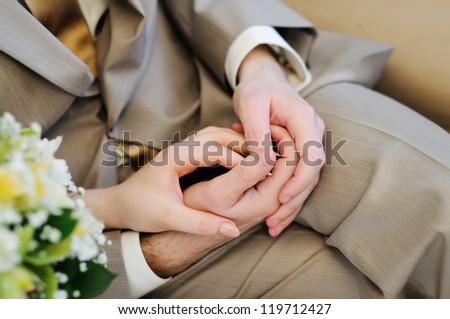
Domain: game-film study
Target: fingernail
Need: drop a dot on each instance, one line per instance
(228, 230)
(274, 223)
(276, 231)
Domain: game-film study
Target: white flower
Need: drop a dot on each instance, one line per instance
(84, 248)
(79, 203)
(59, 172)
(36, 128)
(9, 245)
(35, 185)
(61, 277)
(102, 259)
(38, 218)
(60, 294)
(54, 195)
(83, 267)
(8, 125)
(9, 216)
(48, 148)
(101, 240)
(88, 224)
(72, 189)
(51, 234)
(81, 191)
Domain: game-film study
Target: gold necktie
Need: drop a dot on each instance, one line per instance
(64, 19)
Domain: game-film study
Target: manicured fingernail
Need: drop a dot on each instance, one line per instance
(228, 230)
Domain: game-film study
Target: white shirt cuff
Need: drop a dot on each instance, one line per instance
(257, 35)
(140, 276)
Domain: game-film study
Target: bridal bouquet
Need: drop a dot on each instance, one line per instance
(51, 246)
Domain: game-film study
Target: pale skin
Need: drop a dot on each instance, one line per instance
(183, 227)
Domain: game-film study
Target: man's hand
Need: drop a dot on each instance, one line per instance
(152, 201)
(263, 97)
(238, 195)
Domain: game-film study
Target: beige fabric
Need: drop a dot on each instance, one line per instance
(153, 86)
(65, 20)
(390, 219)
(418, 72)
(297, 264)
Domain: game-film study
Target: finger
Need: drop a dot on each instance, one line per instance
(285, 166)
(308, 142)
(225, 136)
(304, 175)
(237, 127)
(197, 222)
(286, 211)
(254, 114)
(211, 147)
(228, 188)
(276, 231)
(178, 160)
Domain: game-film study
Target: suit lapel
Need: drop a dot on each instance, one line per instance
(26, 40)
(123, 50)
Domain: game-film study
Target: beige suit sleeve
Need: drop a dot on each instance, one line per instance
(210, 26)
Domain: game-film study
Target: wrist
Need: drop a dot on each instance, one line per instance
(261, 62)
(170, 253)
(102, 203)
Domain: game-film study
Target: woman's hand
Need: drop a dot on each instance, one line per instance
(152, 201)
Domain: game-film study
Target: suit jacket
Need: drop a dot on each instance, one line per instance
(161, 70)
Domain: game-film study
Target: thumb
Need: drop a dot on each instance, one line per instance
(254, 115)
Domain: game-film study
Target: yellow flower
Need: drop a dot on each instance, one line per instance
(10, 188)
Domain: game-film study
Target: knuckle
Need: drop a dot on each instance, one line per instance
(316, 180)
(320, 124)
(204, 225)
(214, 198)
(255, 135)
(245, 173)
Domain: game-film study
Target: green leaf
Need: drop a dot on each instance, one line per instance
(25, 235)
(49, 283)
(50, 254)
(90, 283)
(65, 223)
(94, 281)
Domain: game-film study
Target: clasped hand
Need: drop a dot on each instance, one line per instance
(257, 187)
(225, 205)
